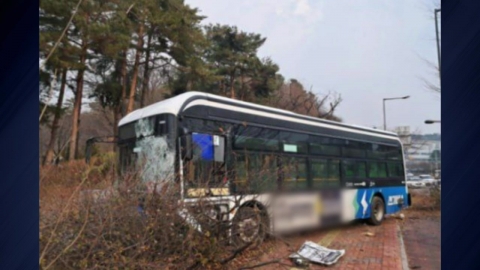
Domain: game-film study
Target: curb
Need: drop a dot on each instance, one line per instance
(403, 253)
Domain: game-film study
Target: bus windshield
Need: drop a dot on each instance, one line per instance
(147, 149)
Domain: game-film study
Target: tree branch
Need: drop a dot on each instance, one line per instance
(61, 36)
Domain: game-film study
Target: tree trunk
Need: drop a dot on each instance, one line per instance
(133, 86)
(232, 88)
(242, 89)
(50, 154)
(146, 72)
(121, 108)
(118, 112)
(77, 106)
(115, 129)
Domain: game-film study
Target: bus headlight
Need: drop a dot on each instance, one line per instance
(218, 212)
(213, 213)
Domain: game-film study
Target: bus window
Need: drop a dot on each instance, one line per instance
(257, 139)
(378, 151)
(207, 167)
(349, 169)
(354, 169)
(263, 169)
(255, 172)
(377, 169)
(294, 173)
(325, 146)
(395, 169)
(361, 169)
(395, 153)
(241, 173)
(293, 142)
(325, 173)
(354, 149)
(334, 172)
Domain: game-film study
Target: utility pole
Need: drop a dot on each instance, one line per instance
(437, 10)
(384, 114)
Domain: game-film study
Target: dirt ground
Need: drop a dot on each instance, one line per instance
(409, 243)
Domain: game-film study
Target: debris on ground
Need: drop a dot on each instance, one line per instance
(369, 234)
(300, 262)
(312, 252)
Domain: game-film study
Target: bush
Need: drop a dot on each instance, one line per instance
(80, 229)
(436, 197)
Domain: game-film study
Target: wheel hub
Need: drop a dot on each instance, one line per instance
(248, 229)
(378, 211)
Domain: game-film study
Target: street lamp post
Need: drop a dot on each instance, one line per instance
(384, 114)
(437, 10)
(436, 156)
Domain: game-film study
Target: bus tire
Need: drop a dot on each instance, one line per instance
(377, 211)
(249, 227)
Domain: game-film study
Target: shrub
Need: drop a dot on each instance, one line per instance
(436, 198)
(80, 229)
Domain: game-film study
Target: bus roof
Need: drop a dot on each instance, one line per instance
(177, 104)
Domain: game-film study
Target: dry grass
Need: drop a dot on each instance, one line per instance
(425, 203)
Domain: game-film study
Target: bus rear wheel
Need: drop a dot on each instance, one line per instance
(377, 211)
(249, 227)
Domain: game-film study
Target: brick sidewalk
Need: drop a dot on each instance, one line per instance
(382, 250)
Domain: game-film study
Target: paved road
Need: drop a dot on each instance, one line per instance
(422, 241)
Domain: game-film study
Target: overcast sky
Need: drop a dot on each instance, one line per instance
(365, 50)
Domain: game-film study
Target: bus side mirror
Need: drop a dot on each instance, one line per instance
(186, 146)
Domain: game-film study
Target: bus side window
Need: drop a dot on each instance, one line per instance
(361, 169)
(294, 173)
(349, 169)
(334, 172)
(377, 169)
(395, 169)
(255, 172)
(241, 172)
(325, 173)
(354, 170)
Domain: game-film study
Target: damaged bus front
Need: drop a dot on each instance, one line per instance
(147, 148)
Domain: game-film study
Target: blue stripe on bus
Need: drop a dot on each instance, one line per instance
(364, 198)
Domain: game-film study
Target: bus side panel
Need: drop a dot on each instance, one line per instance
(396, 198)
(349, 204)
(356, 202)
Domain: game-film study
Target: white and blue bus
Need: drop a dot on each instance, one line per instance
(290, 171)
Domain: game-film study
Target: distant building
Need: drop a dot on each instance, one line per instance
(422, 151)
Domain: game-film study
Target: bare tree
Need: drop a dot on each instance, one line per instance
(434, 87)
(429, 85)
(293, 97)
